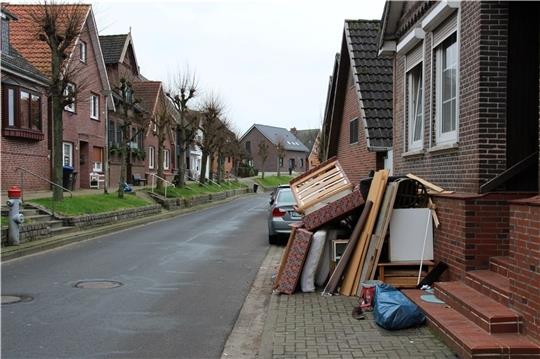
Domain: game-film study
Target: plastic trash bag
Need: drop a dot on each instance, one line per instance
(395, 311)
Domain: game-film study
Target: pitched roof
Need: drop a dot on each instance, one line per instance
(147, 93)
(277, 134)
(24, 37)
(373, 77)
(112, 47)
(18, 64)
(308, 137)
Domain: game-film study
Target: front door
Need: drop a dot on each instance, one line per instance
(83, 177)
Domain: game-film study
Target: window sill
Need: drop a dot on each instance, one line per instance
(414, 153)
(445, 147)
(23, 133)
(95, 119)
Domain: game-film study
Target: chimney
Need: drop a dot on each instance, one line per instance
(293, 131)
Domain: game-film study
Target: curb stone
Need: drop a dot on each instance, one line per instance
(38, 246)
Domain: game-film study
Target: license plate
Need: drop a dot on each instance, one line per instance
(295, 215)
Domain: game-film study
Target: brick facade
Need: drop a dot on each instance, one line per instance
(355, 158)
(254, 137)
(480, 153)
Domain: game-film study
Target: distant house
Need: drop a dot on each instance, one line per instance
(24, 116)
(83, 121)
(357, 124)
(295, 154)
(310, 138)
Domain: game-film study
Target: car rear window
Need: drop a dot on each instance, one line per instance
(285, 196)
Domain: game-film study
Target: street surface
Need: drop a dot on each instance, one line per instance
(184, 282)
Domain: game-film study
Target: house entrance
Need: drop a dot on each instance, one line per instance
(84, 163)
(523, 90)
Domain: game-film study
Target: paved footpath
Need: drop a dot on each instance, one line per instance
(308, 325)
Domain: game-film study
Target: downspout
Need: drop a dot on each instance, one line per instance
(106, 152)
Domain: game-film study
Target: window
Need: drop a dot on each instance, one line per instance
(415, 106)
(151, 157)
(23, 108)
(301, 163)
(112, 132)
(166, 159)
(446, 90)
(281, 162)
(69, 91)
(94, 107)
(82, 51)
(248, 146)
(97, 159)
(353, 131)
(67, 154)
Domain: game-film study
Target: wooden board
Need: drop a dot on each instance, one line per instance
(319, 183)
(352, 275)
(427, 184)
(338, 271)
(377, 240)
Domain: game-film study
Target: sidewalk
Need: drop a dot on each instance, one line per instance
(308, 325)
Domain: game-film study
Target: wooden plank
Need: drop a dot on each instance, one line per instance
(406, 263)
(284, 256)
(376, 191)
(338, 271)
(324, 183)
(427, 184)
(431, 206)
(329, 193)
(377, 240)
(315, 181)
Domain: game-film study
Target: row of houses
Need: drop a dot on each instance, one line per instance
(449, 91)
(92, 124)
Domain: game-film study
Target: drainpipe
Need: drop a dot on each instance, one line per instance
(106, 151)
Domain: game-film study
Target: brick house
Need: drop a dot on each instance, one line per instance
(119, 56)
(24, 116)
(84, 120)
(466, 109)
(296, 154)
(357, 125)
(310, 139)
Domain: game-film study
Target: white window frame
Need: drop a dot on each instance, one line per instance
(71, 107)
(94, 107)
(83, 55)
(69, 155)
(412, 107)
(449, 136)
(166, 159)
(11, 107)
(151, 157)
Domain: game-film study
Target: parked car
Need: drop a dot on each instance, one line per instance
(281, 214)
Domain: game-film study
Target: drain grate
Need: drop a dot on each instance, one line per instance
(11, 299)
(97, 284)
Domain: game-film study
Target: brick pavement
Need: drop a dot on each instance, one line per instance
(308, 325)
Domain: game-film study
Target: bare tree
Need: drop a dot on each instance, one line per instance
(134, 122)
(164, 123)
(182, 89)
(263, 154)
(59, 25)
(281, 152)
(212, 110)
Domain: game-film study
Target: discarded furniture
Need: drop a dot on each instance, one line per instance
(403, 274)
(96, 179)
(138, 179)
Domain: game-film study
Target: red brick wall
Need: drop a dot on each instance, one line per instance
(473, 229)
(525, 253)
(355, 159)
(78, 126)
(481, 151)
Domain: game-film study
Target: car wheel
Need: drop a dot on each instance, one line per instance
(272, 239)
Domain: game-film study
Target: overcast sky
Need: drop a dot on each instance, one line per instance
(268, 60)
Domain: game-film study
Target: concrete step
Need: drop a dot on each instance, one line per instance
(469, 340)
(485, 312)
(36, 218)
(55, 224)
(500, 265)
(492, 284)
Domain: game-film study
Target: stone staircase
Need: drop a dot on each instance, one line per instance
(476, 321)
(33, 216)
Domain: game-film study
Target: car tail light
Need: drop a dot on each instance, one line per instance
(278, 212)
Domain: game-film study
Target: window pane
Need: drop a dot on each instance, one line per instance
(453, 116)
(67, 154)
(447, 117)
(419, 107)
(11, 106)
(36, 113)
(24, 109)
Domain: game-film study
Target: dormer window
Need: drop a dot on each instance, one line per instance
(82, 51)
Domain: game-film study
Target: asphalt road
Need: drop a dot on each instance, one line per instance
(184, 282)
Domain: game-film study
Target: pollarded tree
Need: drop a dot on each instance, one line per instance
(164, 122)
(211, 125)
(182, 89)
(281, 152)
(60, 25)
(263, 154)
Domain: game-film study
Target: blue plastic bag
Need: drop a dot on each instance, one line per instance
(395, 311)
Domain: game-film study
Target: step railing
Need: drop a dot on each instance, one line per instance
(24, 170)
(167, 183)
